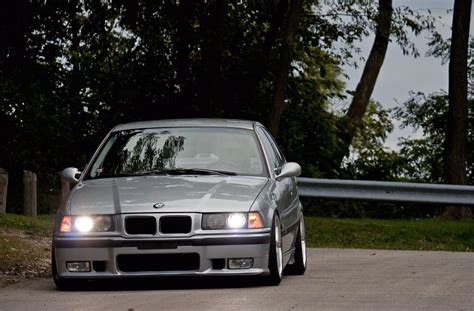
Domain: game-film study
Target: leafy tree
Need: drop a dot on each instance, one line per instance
(389, 23)
(309, 135)
(365, 87)
(424, 157)
(370, 159)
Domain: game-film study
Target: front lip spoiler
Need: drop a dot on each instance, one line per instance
(164, 244)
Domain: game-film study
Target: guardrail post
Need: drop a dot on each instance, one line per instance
(29, 194)
(3, 190)
(64, 190)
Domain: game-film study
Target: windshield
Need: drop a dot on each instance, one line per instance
(227, 151)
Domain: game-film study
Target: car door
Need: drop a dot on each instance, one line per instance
(280, 190)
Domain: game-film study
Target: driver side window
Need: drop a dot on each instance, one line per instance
(276, 161)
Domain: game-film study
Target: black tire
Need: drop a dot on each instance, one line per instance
(275, 260)
(61, 283)
(298, 267)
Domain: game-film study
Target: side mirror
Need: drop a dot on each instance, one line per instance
(290, 169)
(71, 174)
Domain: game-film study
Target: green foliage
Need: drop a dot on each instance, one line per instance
(423, 157)
(369, 158)
(309, 136)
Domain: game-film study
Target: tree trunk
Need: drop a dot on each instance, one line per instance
(456, 132)
(366, 85)
(279, 88)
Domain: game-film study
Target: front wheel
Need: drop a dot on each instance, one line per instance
(275, 260)
(300, 256)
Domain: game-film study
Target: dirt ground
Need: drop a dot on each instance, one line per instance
(23, 256)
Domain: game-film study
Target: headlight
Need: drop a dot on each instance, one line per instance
(236, 221)
(103, 223)
(85, 224)
(214, 221)
(231, 221)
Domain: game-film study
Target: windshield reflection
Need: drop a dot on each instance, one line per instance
(175, 151)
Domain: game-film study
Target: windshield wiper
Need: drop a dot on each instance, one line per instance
(186, 171)
(115, 175)
(120, 175)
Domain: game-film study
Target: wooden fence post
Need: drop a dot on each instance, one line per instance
(3, 190)
(29, 194)
(64, 190)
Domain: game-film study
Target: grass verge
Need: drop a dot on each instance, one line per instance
(422, 234)
(41, 225)
(25, 247)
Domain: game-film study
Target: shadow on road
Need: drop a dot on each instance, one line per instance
(169, 283)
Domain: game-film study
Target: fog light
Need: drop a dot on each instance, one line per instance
(240, 263)
(78, 266)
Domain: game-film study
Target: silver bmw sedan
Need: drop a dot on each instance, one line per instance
(181, 197)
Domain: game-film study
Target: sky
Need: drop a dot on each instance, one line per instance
(401, 74)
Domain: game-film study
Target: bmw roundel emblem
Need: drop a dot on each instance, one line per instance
(158, 205)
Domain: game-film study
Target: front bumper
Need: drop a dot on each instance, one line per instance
(209, 248)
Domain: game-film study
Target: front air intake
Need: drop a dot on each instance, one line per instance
(158, 262)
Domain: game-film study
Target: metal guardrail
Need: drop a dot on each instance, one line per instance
(385, 191)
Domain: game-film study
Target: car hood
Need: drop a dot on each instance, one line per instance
(175, 193)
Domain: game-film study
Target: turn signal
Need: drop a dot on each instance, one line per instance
(255, 221)
(65, 224)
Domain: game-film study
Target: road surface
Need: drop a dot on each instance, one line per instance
(336, 279)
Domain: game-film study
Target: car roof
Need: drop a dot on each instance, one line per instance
(228, 123)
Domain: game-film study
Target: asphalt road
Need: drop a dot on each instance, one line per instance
(337, 279)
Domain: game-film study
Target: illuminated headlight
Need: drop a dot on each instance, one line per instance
(231, 221)
(85, 224)
(236, 221)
